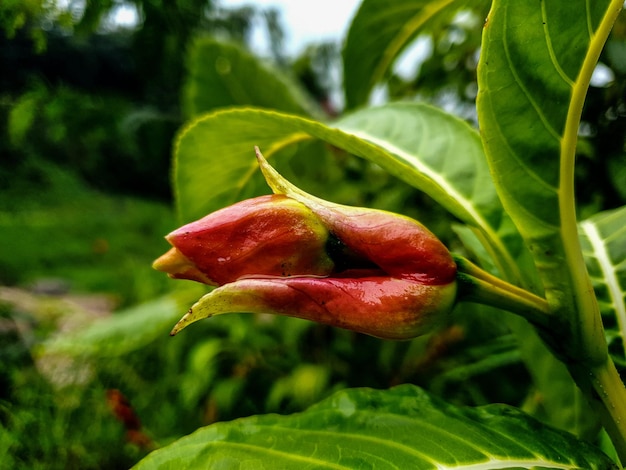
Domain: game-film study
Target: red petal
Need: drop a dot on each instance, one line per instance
(378, 306)
(400, 246)
(269, 235)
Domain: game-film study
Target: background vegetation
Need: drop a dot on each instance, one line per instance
(89, 111)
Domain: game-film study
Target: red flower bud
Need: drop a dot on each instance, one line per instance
(265, 236)
(293, 254)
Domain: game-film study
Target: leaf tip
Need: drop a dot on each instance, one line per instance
(183, 322)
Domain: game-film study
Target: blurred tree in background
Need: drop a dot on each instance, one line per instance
(99, 98)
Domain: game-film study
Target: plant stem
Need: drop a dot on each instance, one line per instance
(599, 380)
(477, 285)
(589, 362)
(603, 386)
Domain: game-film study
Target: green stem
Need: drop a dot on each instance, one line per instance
(603, 386)
(590, 364)
(577, 291)
(599, 380)
(477, 285)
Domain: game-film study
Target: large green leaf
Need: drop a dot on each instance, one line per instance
(399, 428)
(534, 71)
(603, 238)
(381, 30)
(224, 74)
(431, 150)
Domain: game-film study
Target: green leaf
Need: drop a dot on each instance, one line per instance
(224, 74)
(603, 238)
(534, 71)
(399, 428)
(556, 400)
(127, 330)
(424, 146)
(381, 30)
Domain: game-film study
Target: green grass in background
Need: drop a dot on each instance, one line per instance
(57, 231)
(54, 227)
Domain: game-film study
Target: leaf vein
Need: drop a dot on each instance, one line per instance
(522, 87)
(551, 53)
(504, 141)
(498, 464)
(590, 29)
(282, 454)
(369, 438)
(611, 281)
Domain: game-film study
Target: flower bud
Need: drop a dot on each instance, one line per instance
(293, 254)
(380, 306)
(265, 236)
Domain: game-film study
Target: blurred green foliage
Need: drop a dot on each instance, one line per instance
(97, 97)
(88, 115)
(53, 226)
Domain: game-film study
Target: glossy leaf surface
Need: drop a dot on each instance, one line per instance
(403, 427)
(531, 80)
